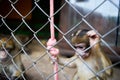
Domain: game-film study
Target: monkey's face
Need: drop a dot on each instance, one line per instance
(80, 41)
(6, 46)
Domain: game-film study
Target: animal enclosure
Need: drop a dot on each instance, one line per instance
(27, 23)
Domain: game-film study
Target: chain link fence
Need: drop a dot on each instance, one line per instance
(74, 15)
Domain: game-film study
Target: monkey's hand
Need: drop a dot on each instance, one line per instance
(93, 37)
(53, 51)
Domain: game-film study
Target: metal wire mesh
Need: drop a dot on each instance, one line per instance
(33, 61)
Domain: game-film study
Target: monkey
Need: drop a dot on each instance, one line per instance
(10, 59)
(88, 50)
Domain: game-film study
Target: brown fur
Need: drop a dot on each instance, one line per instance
(96, 60)
(10, 47)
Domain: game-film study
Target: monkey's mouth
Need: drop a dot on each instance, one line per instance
(81, 49)
(3, 55)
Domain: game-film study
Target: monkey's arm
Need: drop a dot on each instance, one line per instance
(69, 62)
(105, 60)
(97, 49)
(17, 68)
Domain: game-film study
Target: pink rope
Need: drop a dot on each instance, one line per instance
(51, 42)
(52, 18)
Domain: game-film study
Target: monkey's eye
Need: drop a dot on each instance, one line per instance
(75, 46)
(79, 47)
(1, 49)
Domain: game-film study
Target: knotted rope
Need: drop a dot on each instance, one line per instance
(52, 41)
